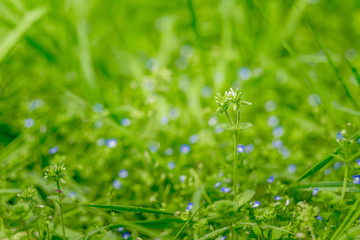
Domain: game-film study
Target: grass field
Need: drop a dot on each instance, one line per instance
(183, 120)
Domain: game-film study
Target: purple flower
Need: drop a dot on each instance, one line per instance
(189, 206)
(125, 235)
(218, 184)
(337, 165)
(169, 151)
(153, 148)
(182, 178)
(111, 143)
(171, 165)
(319, 217)
(120, 229)
(125, 122)
(327, 171)
(223, 237)
(278, 131)
(277, 143)
(53, 150)
(123, 173)
(193, 139)
(116, 184)
(315, 191)
(291, 168)
(29, 122)
(356, 179)
(240, 148)
(277, 198)
(256, 204)
(249, 148)
(185, 148)
(270, 179)
(225, 189)
(56, 190)
(358, 141)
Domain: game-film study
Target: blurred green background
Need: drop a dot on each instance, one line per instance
(72, 71)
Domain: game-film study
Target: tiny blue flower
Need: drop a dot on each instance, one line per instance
(174, 114)
(291, 168)
(270, 106)
(319, 217)
(278, 131)
(171, 165)
(212, 121)
(125, 122)
(225, 189)
(218, 129)
(249, 148)
(182, 178)
(272, 121)
(153, 148)
(358, 161)
(218, 184)
(277, 143)
(164, 120)
(29, 122)
(125, 235)
(185, 148)
(189, 206)
(72, 195)
(169, 151)
(285, 152)
(120, 229)
(98, 107)
(240, 148)
(223, 237)
(356, 179)
(111, 143)
(123, 173)
(277, 198)
(358, 141)
(244, 73)
(53, 150)
(193, 138)
(256, 204)
(337, 165)
(339, 135)
(315, 191)
(270, 179)
(116, 184)
(327, 171)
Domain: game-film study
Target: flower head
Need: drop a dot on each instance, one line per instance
(225, 189)
(189, 206)
(256, 204)
(230, 97)
(356, 179)
(277, 198)
(55, 173)
(240, 148)
(315, 191)
(27, 195)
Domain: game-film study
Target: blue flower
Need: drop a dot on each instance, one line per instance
(116, 184)
(277, 198)
(240, 148)
(327, 171)
(337, 165)
(244, 73)
(185, 148)
(98, 107)
(29, 122)
(171, 165)
(277, 143)
(120, 229)
(270, 179)
(291, 168)
(285, 152)
(315, 191)
(164, 120)
(223, 237)
(358, 141)
(193, 138)
(356, 179)
(182, 178)
(249, 148)
(270, 106)
(358, 161)
(125, 122)
(169, 151)
(123, 173)
(225, 189)
(278, 131)
(111, 143)
(218, 184)
(125, 235)
(153, 148)
(53, 150)
(339, 135)
(319, 217)
(189, 206)
(256, 204)
(272, 121)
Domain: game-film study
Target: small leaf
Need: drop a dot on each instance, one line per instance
(244, 197)
(225, 126)
(127, 208)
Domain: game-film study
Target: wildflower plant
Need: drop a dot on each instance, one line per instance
(55, 173)
(232, 100)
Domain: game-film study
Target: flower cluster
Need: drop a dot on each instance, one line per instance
(229, 97)
(27, 195)
(55, 173)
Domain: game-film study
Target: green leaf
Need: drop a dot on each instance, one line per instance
(213, 234)
(244, 197)
(225, 126)
(126, 208)
(9, 191)
(337, 106)
(161, 223)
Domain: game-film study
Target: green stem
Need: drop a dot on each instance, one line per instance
(48, 232)
(235, 164)
(344, 183)
(228, 116)
(61, 210)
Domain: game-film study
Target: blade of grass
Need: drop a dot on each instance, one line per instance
(126, 208)
(355, 72)
(337, 106)
(327, 187)
(14, 36)
(187, 222)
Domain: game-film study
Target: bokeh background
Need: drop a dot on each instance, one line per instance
(109, 85)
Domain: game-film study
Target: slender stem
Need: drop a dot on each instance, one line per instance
(26, 228)
(235, 164)
(48, 232)
(228, 116)
(61, 211)
(344, 183)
